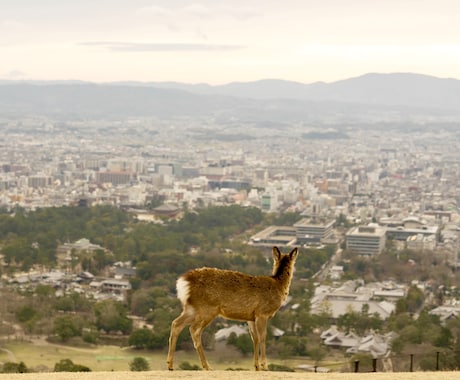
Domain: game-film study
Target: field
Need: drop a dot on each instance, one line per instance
(111, 362)
(41, 354)
(100, 358)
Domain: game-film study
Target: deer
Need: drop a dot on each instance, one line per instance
(206, 293)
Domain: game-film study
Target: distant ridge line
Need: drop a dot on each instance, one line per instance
(165, 99)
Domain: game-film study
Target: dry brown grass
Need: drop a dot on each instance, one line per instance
(232, 375)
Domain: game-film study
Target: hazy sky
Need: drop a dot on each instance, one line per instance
(217, 41)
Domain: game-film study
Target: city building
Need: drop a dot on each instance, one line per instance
(39, 181)
(402, 229)
(275, 235)
(313, 230)
(115, 178)
(366, 240)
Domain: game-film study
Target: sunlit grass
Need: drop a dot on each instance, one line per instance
(3, 356)
(105, 359)
(101, 358)
(113, 358)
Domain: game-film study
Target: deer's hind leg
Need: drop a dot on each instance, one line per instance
(255, 342)
(186, 318)
(196, 329)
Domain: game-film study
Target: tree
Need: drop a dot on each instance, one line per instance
(141, 338)
(73, 302)
(292, 346)
(243, 342)
(139, 364)
(111, 316)
(44, 291)
(317, 354)
(26, 314)
(143, 301)
(415, 299)
(67, 327)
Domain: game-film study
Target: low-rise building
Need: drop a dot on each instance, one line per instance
(274, 235)
(354, 296)
(412, 230)
(374, 344)
(115, 285)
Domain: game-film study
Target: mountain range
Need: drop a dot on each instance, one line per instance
(403, 93)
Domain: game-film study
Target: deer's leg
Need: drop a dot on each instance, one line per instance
(256, 342)
(176, 327)
(196, 329)
(261, 330)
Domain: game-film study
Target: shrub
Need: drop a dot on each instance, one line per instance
(67, 365)
(186, 366)
(279, 368)
(139, 364)
(10, 367)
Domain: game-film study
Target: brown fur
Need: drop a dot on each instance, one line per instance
(206, 293)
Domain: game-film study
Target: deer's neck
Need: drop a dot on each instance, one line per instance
(284, 277)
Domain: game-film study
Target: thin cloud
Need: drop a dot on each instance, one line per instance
(11, 24)
(155, 11)
(171, 47)
(198, 10)
(15, 74)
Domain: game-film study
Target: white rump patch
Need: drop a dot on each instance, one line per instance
(183, 290)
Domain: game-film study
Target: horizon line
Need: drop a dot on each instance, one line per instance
(129, 81)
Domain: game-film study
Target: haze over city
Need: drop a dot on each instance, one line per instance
(218, 42)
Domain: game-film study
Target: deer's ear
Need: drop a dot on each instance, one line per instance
(293, 253)
(276, 253)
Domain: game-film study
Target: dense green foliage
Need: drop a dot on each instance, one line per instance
(10, 367)
(111, 316)
(141, 338)
(67, 365)
(67, 327)
(242, 342)
(32, 238)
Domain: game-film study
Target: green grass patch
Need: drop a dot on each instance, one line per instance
(114, 358)
(100, 358)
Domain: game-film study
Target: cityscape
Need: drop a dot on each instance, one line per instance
(401, 183)
(365, 186)
(270, 185)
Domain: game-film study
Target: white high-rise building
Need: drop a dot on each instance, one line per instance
(366, 240)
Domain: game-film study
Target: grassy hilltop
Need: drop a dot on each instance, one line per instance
(232, 375)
